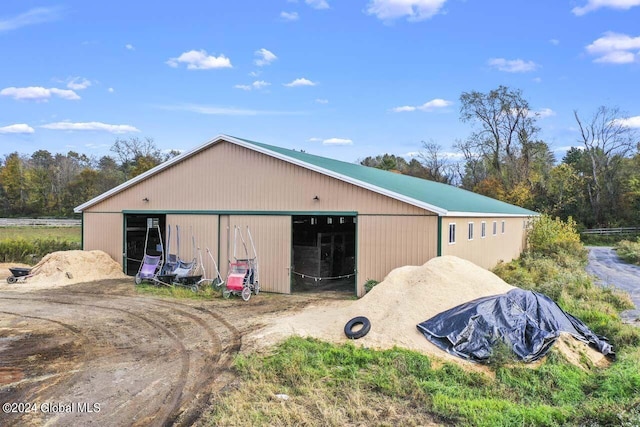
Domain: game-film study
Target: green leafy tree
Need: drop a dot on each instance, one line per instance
(12, 179)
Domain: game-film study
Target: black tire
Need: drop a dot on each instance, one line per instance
(358, 333)
(12, 279)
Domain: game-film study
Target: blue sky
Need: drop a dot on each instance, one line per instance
(339, 78)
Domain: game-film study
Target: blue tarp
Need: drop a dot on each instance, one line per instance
(528, 322)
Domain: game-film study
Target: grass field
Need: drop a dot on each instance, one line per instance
(70, 234)
(29, 244)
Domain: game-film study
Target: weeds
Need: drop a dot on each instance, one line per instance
(629, 251)
(31, 251)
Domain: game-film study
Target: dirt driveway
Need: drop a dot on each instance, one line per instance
(100, 354)
(611, 270)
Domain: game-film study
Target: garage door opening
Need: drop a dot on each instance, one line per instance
(324, 254)
(135, 235)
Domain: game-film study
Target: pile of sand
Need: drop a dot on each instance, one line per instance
(408, 296)
(70, 267)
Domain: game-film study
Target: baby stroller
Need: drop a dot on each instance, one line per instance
(151, 264)
(243, 272)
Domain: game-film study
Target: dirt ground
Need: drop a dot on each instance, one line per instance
(99, 354)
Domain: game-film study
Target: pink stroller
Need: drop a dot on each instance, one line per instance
(243, 273)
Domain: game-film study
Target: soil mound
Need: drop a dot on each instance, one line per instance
(70, 267)
(407, 296)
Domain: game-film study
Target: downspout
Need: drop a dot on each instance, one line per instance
(439, 250)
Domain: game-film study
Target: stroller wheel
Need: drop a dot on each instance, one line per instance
(226, 293)
(12, 279)
(246, 293)
(137, 280)
(194, 288)
(256, 288)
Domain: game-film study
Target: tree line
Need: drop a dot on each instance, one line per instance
(597, 182)
(46, 184)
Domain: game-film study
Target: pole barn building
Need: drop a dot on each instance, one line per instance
(317, 223)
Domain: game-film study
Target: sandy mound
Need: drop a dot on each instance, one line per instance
(70, 267)
(407, 296)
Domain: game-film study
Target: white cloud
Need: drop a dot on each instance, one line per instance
(512, 65)
(129, 46)
(78, 83)
(200, 60)
(322, 101)
(544, 113)
(300, 82)
(265, 57)
(317, 4)
(289, 16)
(631, 122)
(615, 48)
(225, 111)
(33, 16)
(17, 128)
(258, 84)
(537, 80)
(414, 10)
(110, 90)
(554, 42)
(315, 139)
(597, 4)
(427, 106)
(337, 141)
(98, 126)
(38, 93)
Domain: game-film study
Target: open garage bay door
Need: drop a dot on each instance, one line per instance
(272, 238)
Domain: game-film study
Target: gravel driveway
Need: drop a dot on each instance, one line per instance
(611, 270)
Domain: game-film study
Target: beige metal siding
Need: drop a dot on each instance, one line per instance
(388, 242)
(103, 232)
(229, 177)
(204, 228)
(488, 251)
(272, 238)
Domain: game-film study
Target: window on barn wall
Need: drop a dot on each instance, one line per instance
(452, 233)
(470, 231)
(503, 226)
(495, 227)
(483, 229)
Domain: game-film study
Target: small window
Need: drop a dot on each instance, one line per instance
(483, 229)
(470, 231)
(502, 226)
(452, 233)
(495, 227)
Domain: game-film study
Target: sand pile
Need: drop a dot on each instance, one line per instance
(69, 267)
(408, 295)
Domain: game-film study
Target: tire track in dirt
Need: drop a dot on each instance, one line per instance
(170, 410)
(13, 419)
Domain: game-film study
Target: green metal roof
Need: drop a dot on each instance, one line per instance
(446, 197)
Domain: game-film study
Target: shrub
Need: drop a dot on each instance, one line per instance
(31, 251)
(555, 238)
(369, 284)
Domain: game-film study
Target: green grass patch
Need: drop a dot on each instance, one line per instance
(348, 385)
(67, 234)
(205, 292)
(629, 251)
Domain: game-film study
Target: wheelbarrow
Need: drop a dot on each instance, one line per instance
(18, 274)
